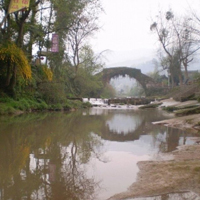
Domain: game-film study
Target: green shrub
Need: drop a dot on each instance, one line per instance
(67, 105)
(10, 110)
(190, 111)
(86, 105)
(24, 105)
(170, 108)
(42, 106)
(2, 110)
(76, 104)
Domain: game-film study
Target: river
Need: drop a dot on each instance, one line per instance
(84, 155)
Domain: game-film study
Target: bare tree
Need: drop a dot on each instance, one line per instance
(84, 27)
(177, 40)
(166, 34)
(185, 39)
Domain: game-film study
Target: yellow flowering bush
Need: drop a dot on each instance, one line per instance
(11, 55)
(48, 73)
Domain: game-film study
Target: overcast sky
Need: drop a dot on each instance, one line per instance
(126, 26)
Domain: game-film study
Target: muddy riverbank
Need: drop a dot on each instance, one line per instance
(177, 172)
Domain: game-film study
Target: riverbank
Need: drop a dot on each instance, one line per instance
(189, 122)
(9, 106)
(176, 173)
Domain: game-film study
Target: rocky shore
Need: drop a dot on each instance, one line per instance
(190, 122)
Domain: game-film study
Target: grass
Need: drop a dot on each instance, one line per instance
(188, 111)
(11, 106)
(197, 169)
(153, 105)
(170, 108)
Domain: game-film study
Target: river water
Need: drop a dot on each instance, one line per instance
(84, 155)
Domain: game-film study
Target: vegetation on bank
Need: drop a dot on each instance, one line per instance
(36, 76)
(24, 105)
(183, 94)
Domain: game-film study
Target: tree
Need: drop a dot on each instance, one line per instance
(86, 81)
(185, 39)
(73, 20)
(14, 57)
(165, 37)
(176, 40)
(84, 26)
(75, 63)
(13, 63)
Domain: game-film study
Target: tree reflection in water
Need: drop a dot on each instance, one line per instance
(42, 160)
(44, 156)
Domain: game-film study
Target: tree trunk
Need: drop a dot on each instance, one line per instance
(180, 79)
(10, 87)
(20, 34)
(8, 75)
(186, 70)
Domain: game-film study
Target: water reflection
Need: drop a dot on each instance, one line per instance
(72, 156)
(41, 158)
(123, 124)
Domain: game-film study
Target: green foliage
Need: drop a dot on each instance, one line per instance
(169, 108)
(196, 76)
(6, 109)
(108, 92)
(53, 82)
(153, 105)
(188, 111)
(85, 82)
(52, 92)
(88, 85)
(11, 106)
(56, 107)
(86, 105)
(77, 104)
(137, 91)
(197, 169)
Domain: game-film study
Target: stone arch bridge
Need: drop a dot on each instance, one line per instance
(145, 81)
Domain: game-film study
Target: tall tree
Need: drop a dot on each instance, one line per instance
(186, 46)
(166, 38)
(176, 39)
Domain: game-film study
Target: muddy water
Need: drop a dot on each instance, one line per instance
(85, 155)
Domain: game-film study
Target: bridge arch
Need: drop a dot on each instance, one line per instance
(144, 80)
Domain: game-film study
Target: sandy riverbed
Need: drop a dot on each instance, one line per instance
(176, 172)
